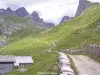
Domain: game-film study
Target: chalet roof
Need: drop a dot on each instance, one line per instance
(23, 59)
(7, 58)
(16, 59)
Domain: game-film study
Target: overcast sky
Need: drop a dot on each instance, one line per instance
(49, 10)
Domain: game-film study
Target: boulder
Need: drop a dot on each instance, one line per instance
(98, 27)
(22, 70)
(65, 70)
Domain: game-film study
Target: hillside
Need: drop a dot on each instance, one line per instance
(15, 28)
(73, 34)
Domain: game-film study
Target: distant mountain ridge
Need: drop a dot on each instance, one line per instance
(22, 12)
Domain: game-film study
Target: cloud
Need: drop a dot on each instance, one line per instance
(53, 10)
(2, 4)
(49, 10)
(13, 6)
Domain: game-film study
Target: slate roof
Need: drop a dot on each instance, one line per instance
(7, 58)
(23, 59)
(16, 59)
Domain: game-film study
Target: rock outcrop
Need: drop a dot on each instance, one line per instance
(83, 4)
(21, 12)
(9, 11)
(65, 18)
(39, 20)
(2, 11)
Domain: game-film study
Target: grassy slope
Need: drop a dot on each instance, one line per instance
(76, 32)
(73, 34)
(88, 33)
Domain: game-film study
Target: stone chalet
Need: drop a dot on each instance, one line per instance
(9, 62)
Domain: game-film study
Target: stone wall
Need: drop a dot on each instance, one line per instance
(93, 49)
(90, 49)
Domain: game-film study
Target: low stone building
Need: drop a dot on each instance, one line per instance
(9, 62)
(22, 61)
(6, 64)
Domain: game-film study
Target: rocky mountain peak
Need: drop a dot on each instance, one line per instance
(36, 17)
(34, 13)
(40, 21)
(83, 4)
(9, 11)
(21, 12)
(65, 18)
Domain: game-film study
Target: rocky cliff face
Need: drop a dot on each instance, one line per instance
(36, 17)
(21, 12)
(2, 11)
(65, 18)
(8, 11)
(40, 21)
(83, 4)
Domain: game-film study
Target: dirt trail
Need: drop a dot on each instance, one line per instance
(86, 65)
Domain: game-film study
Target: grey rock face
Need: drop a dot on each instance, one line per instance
(36, 17)
(2, 11)
(98, 27)
(8, 11)
(21, 12)
(40, 21)
(65, 18)
(83, 4)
